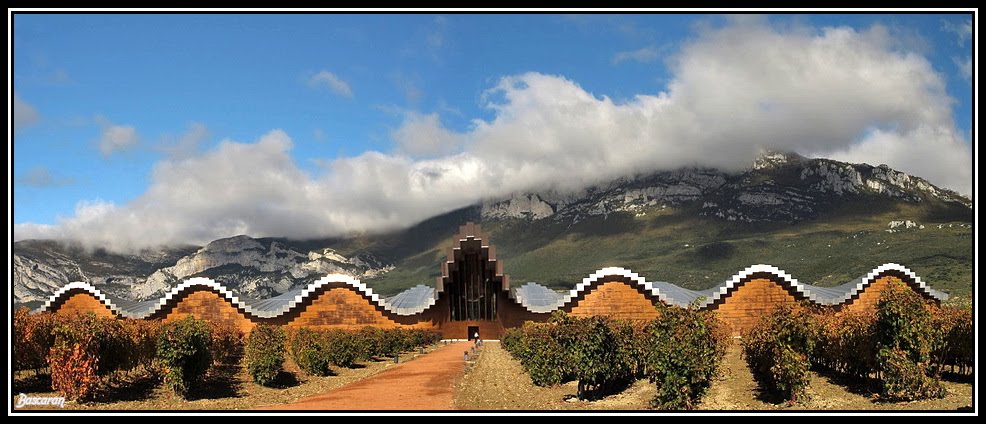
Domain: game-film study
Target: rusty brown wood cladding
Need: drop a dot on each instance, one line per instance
(617, 300)
(750, 301)
(82, 302)
(868, 299)
(344, 308)
(210, 306)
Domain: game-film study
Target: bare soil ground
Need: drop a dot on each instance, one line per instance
(497, 381)
(424, 384)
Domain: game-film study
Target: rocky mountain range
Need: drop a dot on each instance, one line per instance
(777, 187)
(257, 268)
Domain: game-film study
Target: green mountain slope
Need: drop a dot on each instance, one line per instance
(674, 245)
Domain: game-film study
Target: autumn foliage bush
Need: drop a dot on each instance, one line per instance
(778, 350)
(86, 348)
(33, 338)
(310, 352)
(74, 358)
(631, 346)
(905, 343)
(142, 335)
(902, 345)
(847, 343)
(955, 341)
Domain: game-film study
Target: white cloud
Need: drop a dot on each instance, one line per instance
(423, 135)
(962, 30)
(25, 115)
(642, 55)
(436, 37)
(187, 144)
(965, 67)
(429, 40)
(911, 152)
(42, 177)
(837, 92)
(408, 87)
(114, 138)
(30, 230)
(331, 81)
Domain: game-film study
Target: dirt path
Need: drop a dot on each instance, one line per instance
(422, 384)
(498, 382)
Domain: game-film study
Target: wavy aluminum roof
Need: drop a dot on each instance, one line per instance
(410, 302)
(537, 298)
(532, 296)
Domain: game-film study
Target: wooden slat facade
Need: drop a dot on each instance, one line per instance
(747, 298)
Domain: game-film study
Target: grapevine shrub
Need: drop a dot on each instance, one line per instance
(184, 350)
(315, 351)
(85, 349)
(778, 351)
(593, 353)
(265, 353)
(685, 347)
(905, 339)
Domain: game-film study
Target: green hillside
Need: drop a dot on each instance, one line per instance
(677, 246)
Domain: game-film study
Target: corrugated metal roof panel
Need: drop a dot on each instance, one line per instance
(532, 296)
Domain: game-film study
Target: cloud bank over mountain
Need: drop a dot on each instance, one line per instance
(851, 95)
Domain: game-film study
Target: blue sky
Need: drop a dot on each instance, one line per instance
(110, 109)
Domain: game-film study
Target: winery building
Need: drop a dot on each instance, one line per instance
(473, 295)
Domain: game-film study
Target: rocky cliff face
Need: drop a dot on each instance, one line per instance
(527, 206)
(256, 268)
(777, 187)
(43, 266)
(625, 194)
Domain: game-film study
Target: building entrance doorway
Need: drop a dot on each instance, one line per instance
(473, 283)
(472, 286)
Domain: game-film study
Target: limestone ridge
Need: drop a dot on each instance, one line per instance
(256, 268)
(40, 266)
(778, 187)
